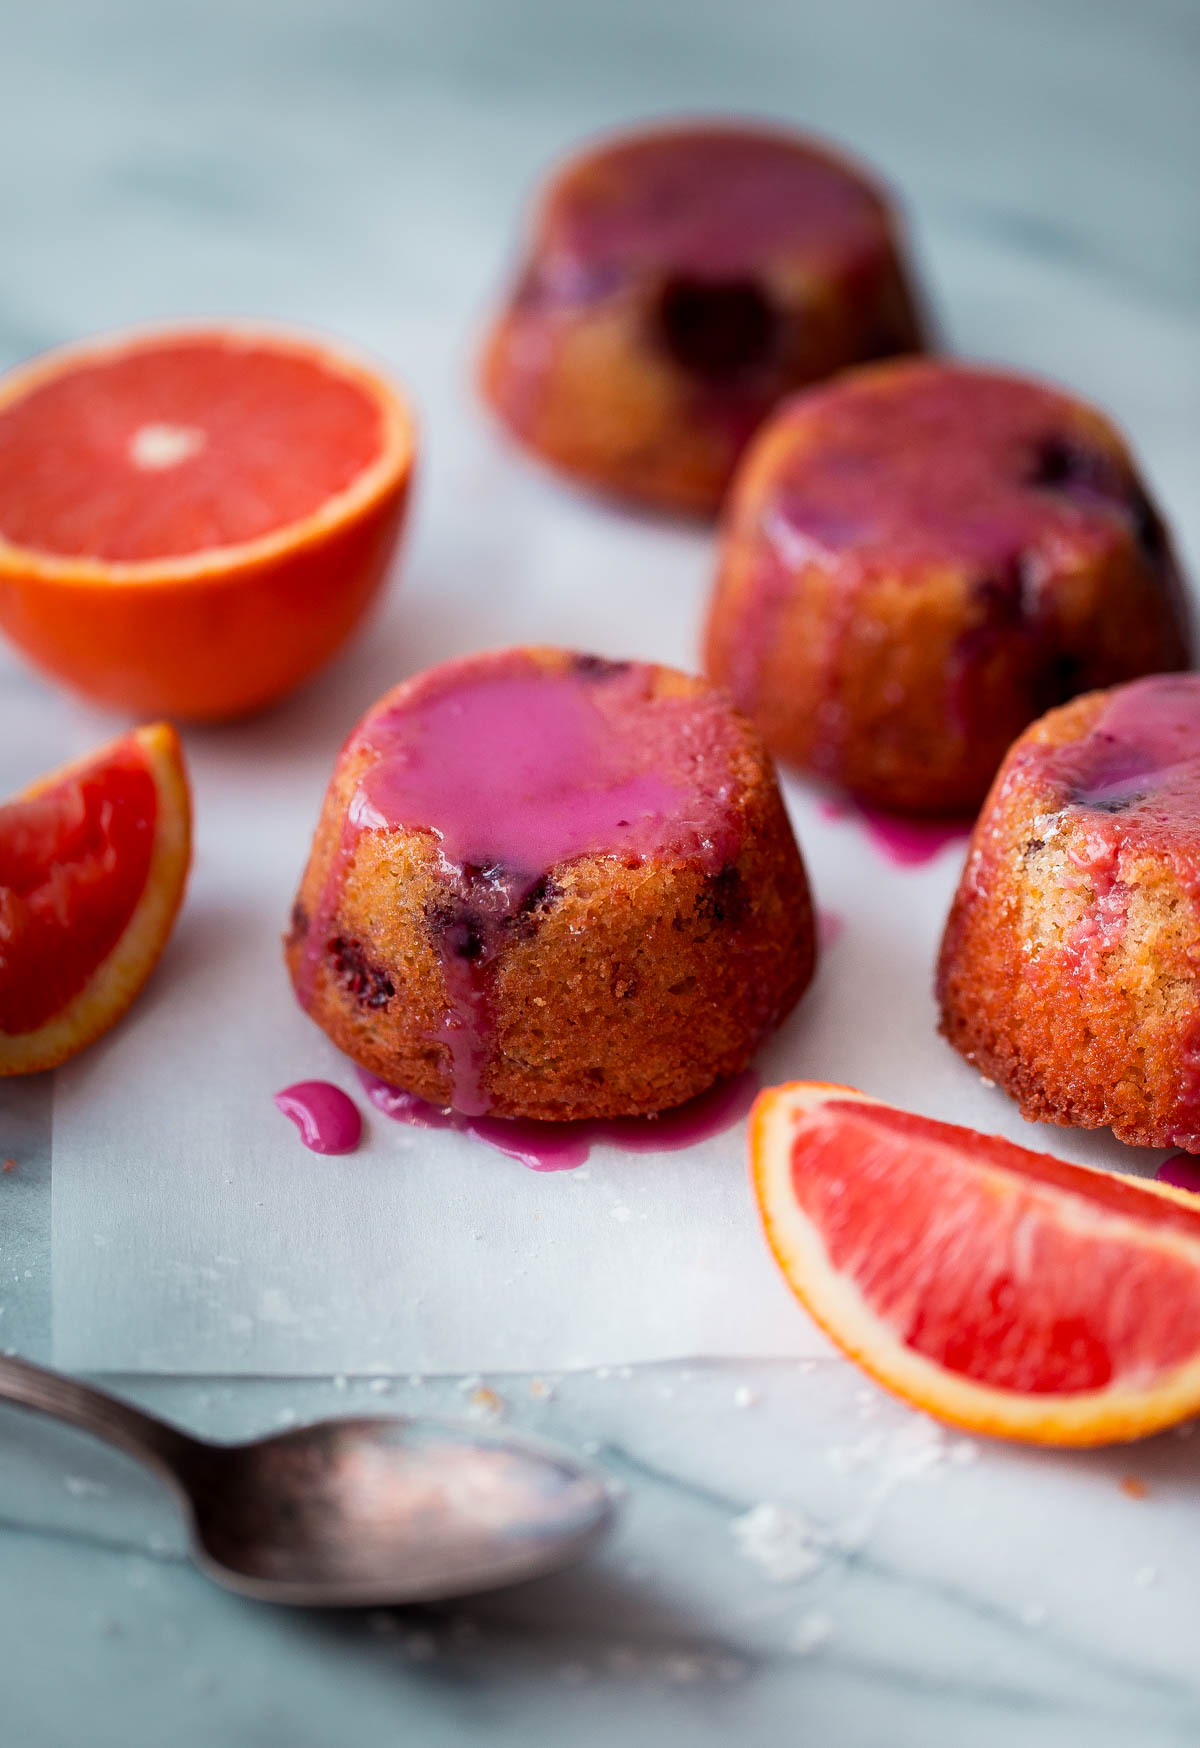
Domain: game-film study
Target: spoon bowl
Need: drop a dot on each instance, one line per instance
(354, 1511)
(372, 1510)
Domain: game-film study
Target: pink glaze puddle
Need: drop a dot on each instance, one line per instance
(563, 1146)
(328, 1121)
(908, 843)
(1182, 1170)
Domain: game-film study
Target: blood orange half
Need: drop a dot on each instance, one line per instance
(93, 860)
(1002, 1290)
(193, 520)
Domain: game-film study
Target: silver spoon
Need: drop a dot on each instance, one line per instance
(354, 1511)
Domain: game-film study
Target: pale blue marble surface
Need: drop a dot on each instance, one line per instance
(350, 166)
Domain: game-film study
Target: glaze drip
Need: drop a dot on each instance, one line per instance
(514, 768)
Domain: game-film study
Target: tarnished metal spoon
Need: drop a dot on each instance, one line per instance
(354, 1511)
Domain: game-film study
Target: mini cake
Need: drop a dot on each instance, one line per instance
(546, 885)
(1070, 968)
(922, 557)
(677, 284)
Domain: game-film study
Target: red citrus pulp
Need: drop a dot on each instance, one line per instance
(1001, 1289)
(192, 521)
(93, 861)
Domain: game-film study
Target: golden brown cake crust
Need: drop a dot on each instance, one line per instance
(642, 346)
(1069, 970)
(621, 988)
(895, 601)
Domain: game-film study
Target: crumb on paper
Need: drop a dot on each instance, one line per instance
(9, 1165)
(485, 1403)
(810, 1633)
(1134, 1486)
(79, 1487)
(540, 1388)
(781, 1543)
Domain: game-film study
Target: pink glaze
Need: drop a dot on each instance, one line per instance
(908, 843)
(942, 465)
(515, 769)
(712, 201)
(328, 1121)
(563, 1146)
(520, 770)
(1182, 1170)
(1138, 768)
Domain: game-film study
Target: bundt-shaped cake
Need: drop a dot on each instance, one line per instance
(677, 284)
(1070, 968)
(551, 886)
(922, 557)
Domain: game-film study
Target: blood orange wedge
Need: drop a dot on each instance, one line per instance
(1003, 1290)
(193, 520)
(93, 860)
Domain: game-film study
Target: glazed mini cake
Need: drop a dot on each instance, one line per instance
(677, 284)
(1070, 968)
(550, 886)
(922, 557)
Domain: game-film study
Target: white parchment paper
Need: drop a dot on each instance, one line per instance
(192, 1232)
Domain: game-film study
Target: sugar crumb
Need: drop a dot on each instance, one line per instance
(810, 1632)
(784, 1545)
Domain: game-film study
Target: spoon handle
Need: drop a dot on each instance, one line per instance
(164, 1447)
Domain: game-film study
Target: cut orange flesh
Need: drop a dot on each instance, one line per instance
(1000, 1289)
(192, 521)
(93, 861)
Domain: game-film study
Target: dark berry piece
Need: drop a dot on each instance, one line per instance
(593, 667)
(724, 898)
(717, 329)
(367, 983)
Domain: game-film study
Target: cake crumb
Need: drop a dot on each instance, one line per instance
(485, 1403)
(781, 1543)
(79, 1487)
(810, 1632)
(10, 1165)
(541, 1389)
(1134, 1486)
